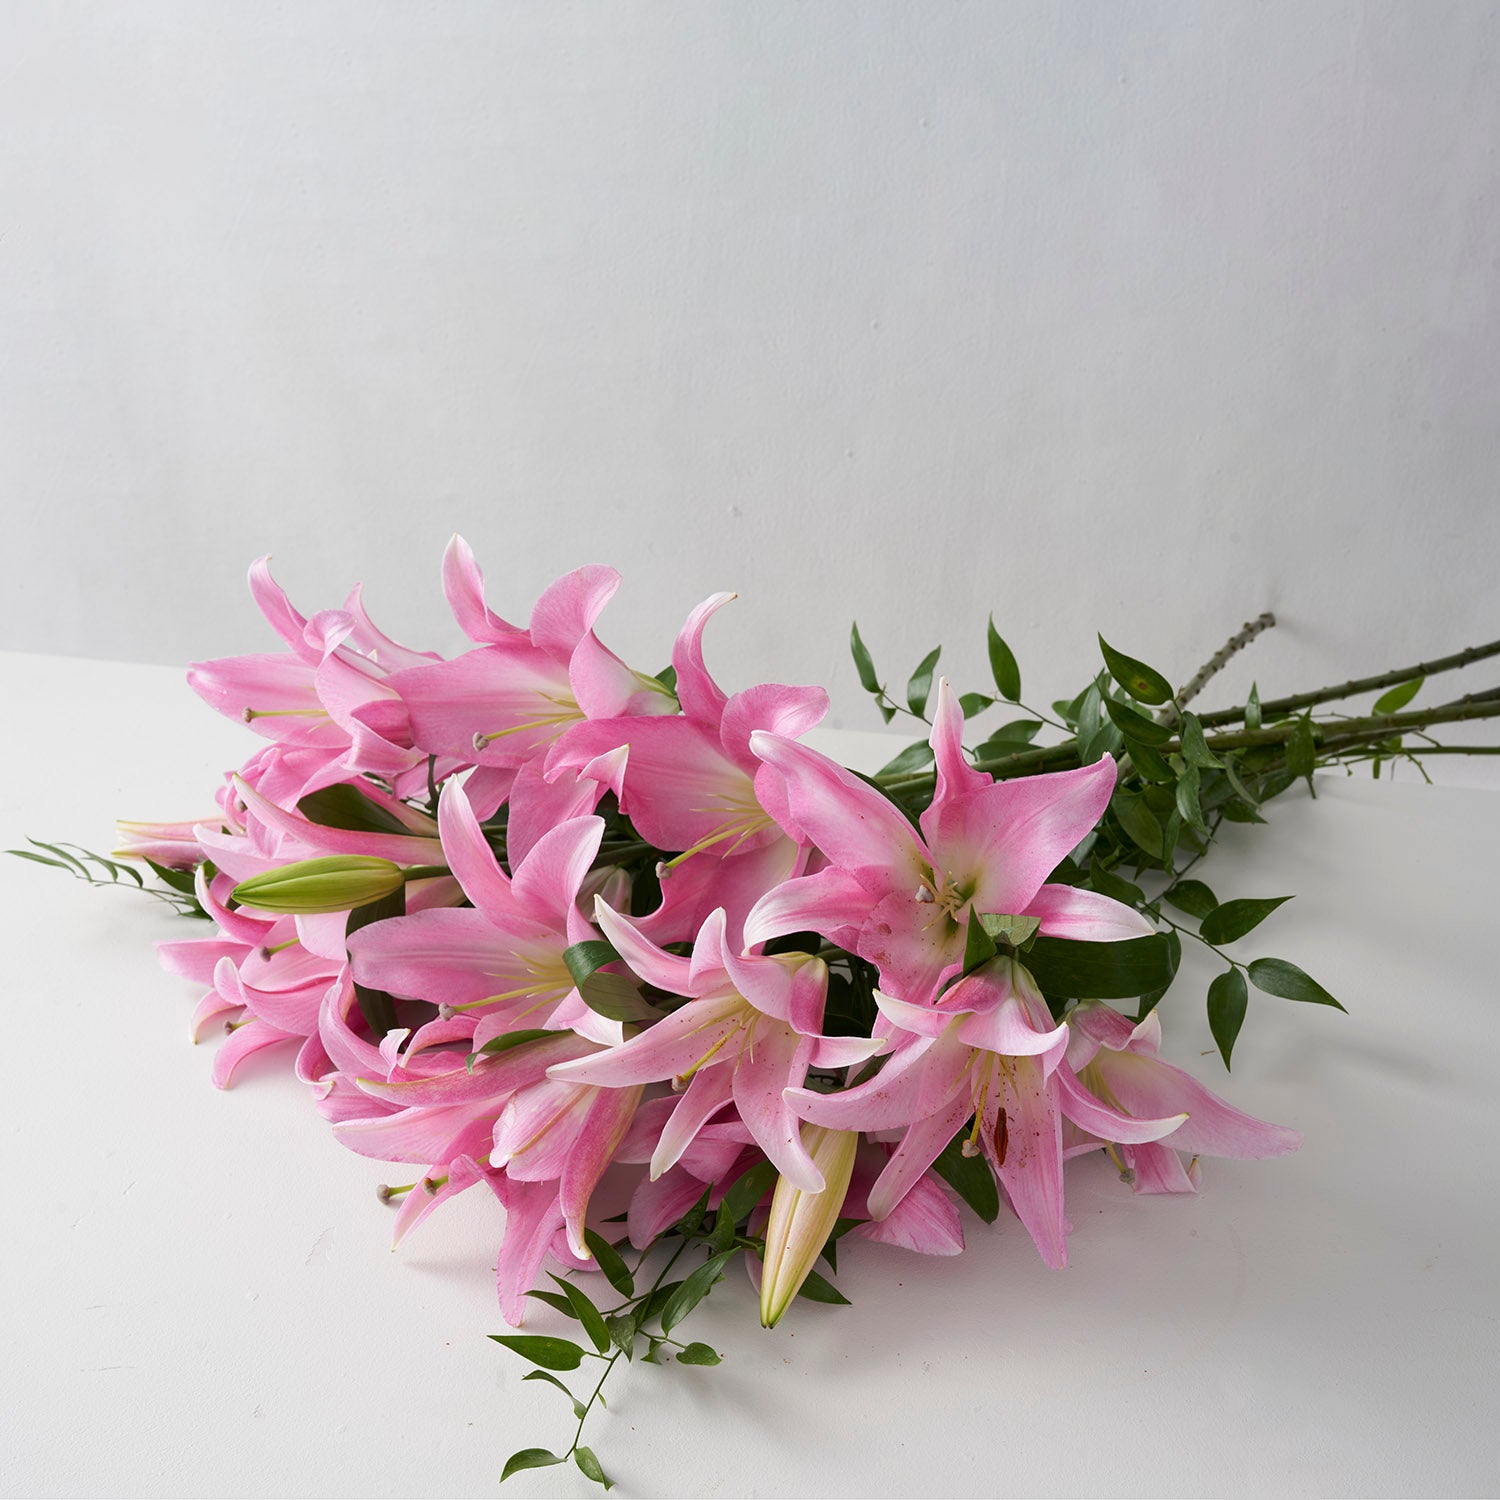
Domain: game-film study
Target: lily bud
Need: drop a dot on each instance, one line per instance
(339, 882)
(800, 1223)
(172, 845)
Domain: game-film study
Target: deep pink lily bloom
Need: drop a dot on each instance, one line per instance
(1115, 1062)
(502, 958)
(513, 695)
(691, 782)
(902, 899)
(988, 1048)
(750, 1029)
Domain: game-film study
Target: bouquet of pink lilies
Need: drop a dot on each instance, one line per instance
(529, 914)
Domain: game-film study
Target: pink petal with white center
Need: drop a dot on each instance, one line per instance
(374, 644)
(606, 688)
(194, 959)
(1012, 834)
(645, 1129)
(351, 1053)
(603, 1129)
(532, 1219)
(918, 1020)
(566, 611)
(545, 884)
(669, 1048)
(212, 1007)
(776, 1058)
(537, 1129)
(665, 971)
(955, 776)
(771, 706)
(1146, 1086)
(658, 1202)
(925, 1220)
(1091, 1114)
(701, 697)
(1065, 911)
(847, 1051)
(492, 1077)
(538, 804)
(1008, 1030)
(245, 1041)
(1094, 1025)
(467, 853)
(738, 881)
(708, 1093)
(420, 1134)
(921, 1077)
(922, 1144)
(273, 603)
(279, 693)
(463, 587)
(1157, 1168)
(915, 945)
(1032, 1165)
(418, 1203)
(706, 970)
(831, 902)
(404, 849)
(323, 934)
(845, 817)
(792, 987)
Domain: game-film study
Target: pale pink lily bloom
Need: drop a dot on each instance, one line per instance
(326, 696)
(513, 695)
(502, 958)
(902, 899)
(691, 782)
(174, 846)
(988, 1049)
(751, 1028)
(1115, 1062)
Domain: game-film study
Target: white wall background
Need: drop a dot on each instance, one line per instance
(1137, 317)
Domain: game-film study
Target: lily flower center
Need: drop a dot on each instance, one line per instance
(567, 712)
(947, 895)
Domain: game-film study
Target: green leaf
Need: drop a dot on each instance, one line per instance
(748, 1189)
(1252, 708)
(912, 758)
(586, 1313)
(1302, 749)
(970, 1177)
(1191, 896)
(919, 689)
(1240, 812)
(1016, 931)
(818, 1289)
(512, 1039)
(1195, 748)
(979, 946)
(1138, 821)
(693, 1290)
(616, 998)
(578, 1407)
(668, 679)
(1152, 998)
(1116, 887)
(584, 1458)
(699, 1354)
(549, 1353)
(554, 1300)
(528, 1458)
(616, 1272)
(1144, 684)
(862, 663)
(1187, 799)
(1101, 971)
(1227, 997)
(974, 703)
(1278, 977)
(1003, 666)
(1151, 764)
(583, 959)
(345, 806)
(1235, 918)
(1398, 697)
(1135, 726)
(622, 1328)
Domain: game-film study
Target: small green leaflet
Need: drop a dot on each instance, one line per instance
(748, 1189)
(1302, 749)
(919, 689)
(979, 946)
(699, 1354)
(583, 959)
(1252, 708)
(1017, 931)
(1101, 971)
(345, 806)
(549, 1353)
(610, 995)
(974, 703)
(1398, 697)
(1187, 800)
(1234, 919)
(912, 758)
(819, 1289)
(1116, 887)
(1003, 666)
(584, 1458)
(586, 1313)
(528, 1458)
(504, 1043)
(1138, 821)
(1226, 1009)
(1195, 748)
(1278, 977)
(693, 1290)
(578, 1406)
(1136, 726)
(862, 663)
(616, 1272)
(1193, 897)
(1144, 684)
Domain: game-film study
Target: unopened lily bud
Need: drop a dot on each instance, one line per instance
(339, 882)
(800, 1223)
(172, 845)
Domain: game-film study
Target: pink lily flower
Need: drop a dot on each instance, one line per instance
(691, 782)
(902, 899)
(511, 697)
(750, 1030)
(174, 846)
(1116, 1063)
(502, 958)
(987, 1049)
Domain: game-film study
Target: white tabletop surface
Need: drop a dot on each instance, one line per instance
(200, 1298)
